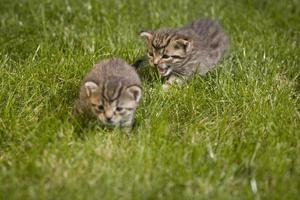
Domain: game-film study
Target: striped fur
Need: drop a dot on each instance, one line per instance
(111, 91)
(180, 52)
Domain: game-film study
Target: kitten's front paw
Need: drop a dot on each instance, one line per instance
(165, 87)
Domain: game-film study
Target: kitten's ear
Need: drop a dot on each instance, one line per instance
(147, 35)
(135, 91)
(184, 43)
(90, 87)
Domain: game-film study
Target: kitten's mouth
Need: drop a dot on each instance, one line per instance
(164, 71)
(110, 123)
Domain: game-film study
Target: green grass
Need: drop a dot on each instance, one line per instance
(214, 138)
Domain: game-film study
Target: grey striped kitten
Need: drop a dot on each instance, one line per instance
(178, 53)
(110, 91)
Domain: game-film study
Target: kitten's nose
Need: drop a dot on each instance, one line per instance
(109, 119)
(155, 62)
(108, 116)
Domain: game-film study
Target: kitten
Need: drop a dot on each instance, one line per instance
(110, 91)
(178, 53)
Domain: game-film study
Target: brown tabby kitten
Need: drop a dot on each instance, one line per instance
(111, 91)
(180, 52)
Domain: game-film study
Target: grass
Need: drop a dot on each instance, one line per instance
(233, 134)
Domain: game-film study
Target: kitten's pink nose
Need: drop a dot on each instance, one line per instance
(155, 62)
(109, 114)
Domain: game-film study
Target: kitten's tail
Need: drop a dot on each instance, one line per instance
(139, 62)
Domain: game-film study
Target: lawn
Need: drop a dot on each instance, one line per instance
(233, 134)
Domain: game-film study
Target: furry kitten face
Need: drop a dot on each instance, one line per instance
(111, 91)
(112, 103)
(167, 50)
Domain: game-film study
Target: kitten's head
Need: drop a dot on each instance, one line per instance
(113, 102)
(167, 50)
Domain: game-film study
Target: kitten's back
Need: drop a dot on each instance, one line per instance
(113, 69)
(210, 33)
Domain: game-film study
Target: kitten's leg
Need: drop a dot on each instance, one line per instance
(172, 80)
(127, 123)
(127, 126)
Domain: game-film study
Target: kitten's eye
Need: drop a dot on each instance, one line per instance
(165, 56)
(150, 54)
(100, 108)
(177, 57)
(119, 109)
